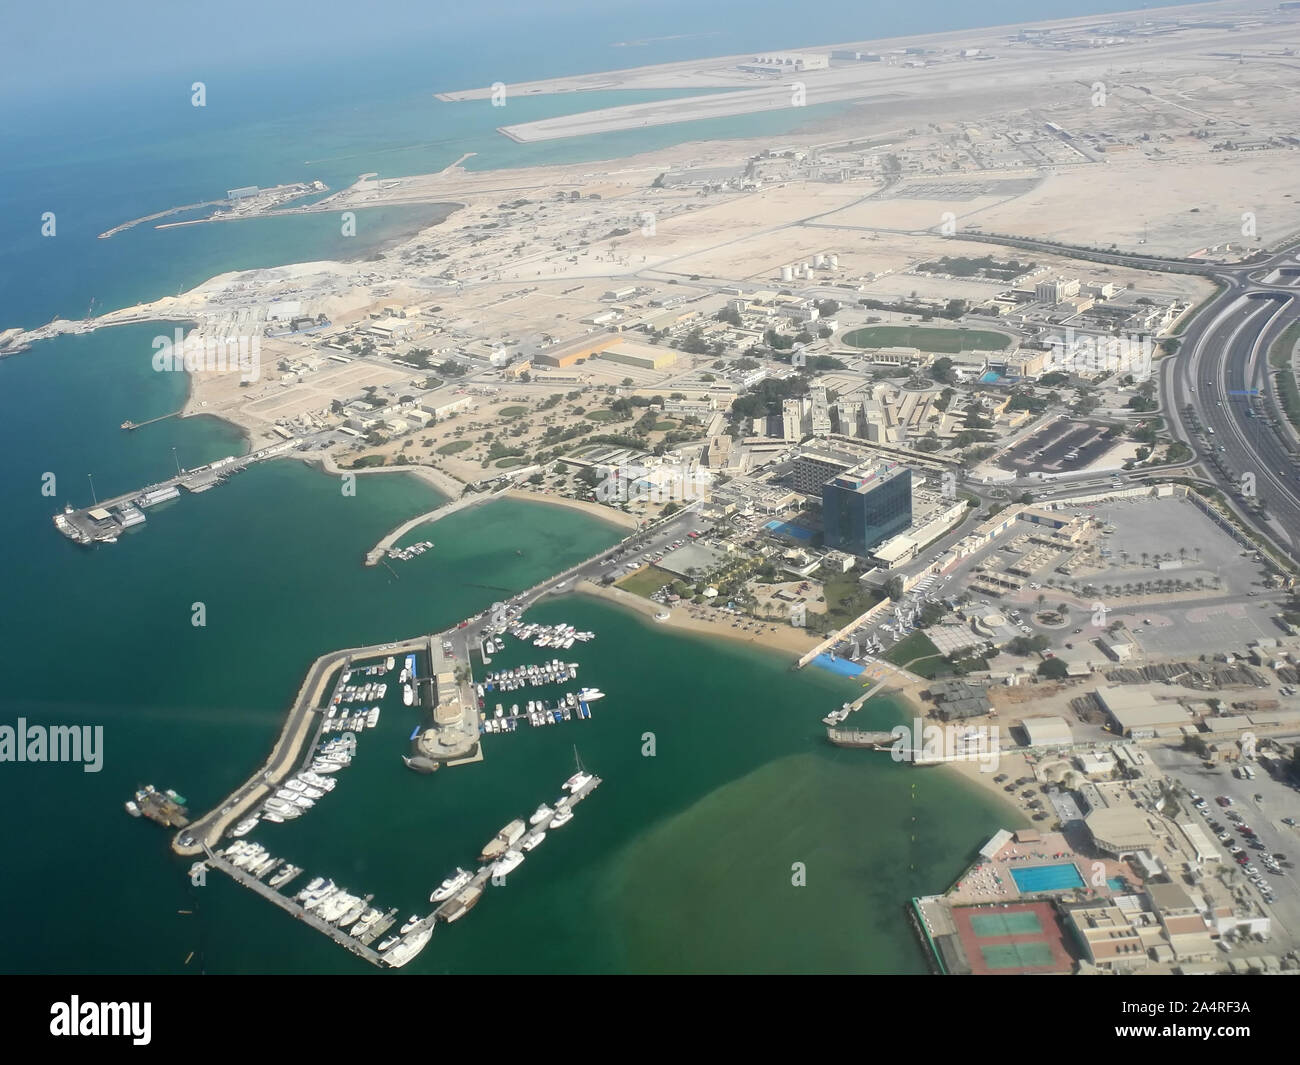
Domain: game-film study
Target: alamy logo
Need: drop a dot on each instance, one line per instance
(946, 743)
(195, 354)
(629, 484)
(103, 1018)
(1086, 353)
(53, 743)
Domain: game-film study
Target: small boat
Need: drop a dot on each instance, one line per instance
(540, 814)
(451, 885)
(132, 808)
(533, 841)
(562, 817)
(508, 863)
(408, 695)
(411, 922)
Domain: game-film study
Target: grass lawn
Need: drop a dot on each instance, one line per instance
(926, 339)
(455, 447)
(369, 460)
(512, 412)
(601, 416)
(916, 646)
(645, 581)
(511, 461)
(664, 426)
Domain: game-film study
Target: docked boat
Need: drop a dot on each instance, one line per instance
(388, 664)
(411, 922)
(502, 841)
(562, 817)
(132, 808)
(533, 841)
(590, 695)
(408, 695)
(387, 942)
(245, 826)
(451, 885)
(456, 908)
(372, 718)
(576, 781)
(409, 947)
(508, 863)
(540, 814)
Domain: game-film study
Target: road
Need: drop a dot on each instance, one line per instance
(1216, 398)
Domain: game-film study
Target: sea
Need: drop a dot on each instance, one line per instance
(728, 835)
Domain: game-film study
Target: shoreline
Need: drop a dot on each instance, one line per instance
(592, 510)
(773, 638)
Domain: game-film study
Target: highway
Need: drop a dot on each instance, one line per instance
(1216, 393)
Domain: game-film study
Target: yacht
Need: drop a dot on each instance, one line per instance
(388, 664)
(562, 817)
(509, 862)
(409, 947)
(541, 814)
(533, 841)
(412, 921)
(451, 885)
(408, 695)
(387, 942)
(372, 718)
(590, 695)
(244, 827)
(132, 808)
(576, 781)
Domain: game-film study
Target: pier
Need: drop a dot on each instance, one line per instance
(105, 521)
(376, 554)
(291, 906)
(297, 739)
(129, 425)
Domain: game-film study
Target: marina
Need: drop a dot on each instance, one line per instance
(356, 924)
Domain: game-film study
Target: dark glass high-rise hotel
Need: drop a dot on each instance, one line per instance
(863, 508)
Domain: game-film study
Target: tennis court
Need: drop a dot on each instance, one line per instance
(992, 925)
(1030, 955)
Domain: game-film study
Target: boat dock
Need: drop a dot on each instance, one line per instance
(291, 906)
(105, 521)
(130, 425)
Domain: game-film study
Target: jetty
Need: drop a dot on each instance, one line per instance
(106, 520)
(296, 909)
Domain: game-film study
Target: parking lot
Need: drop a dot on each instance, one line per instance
(1263, 817)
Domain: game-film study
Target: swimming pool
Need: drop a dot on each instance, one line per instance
(1047, 878)
(784, 528)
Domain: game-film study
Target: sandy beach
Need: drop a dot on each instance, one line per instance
(780, 639)
(594, 510)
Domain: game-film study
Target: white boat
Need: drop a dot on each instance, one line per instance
(508, 862)
(541, 814)
(451, 885)
(411, 922)
(274, 818)
(576, 781)
(132, 808)
(388, 664)
(408, 695)
(590, 695)
(372, 718)
(387, 942)
(533, 841)
(409, 947)
(244, 827)
(562, 817)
